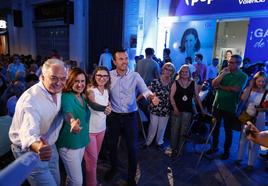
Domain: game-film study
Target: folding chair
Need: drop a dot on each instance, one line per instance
(199, 118)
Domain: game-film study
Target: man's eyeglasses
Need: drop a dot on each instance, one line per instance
(232, 62)
(55, 79)
(102, 76)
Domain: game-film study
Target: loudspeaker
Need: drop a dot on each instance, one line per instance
(69, 13)
(17, 18)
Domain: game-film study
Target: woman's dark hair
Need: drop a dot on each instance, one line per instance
(188, 59)
(72, 74)
(121, 50)
(187, 32)
(93, 81)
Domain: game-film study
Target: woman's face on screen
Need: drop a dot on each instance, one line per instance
(190, 42)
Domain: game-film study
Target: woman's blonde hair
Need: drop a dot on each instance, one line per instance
(179, 71)
(258, 75)
(169, 65)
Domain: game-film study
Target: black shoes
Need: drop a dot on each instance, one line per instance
(212, 151)
(265, 156)
(249, 168)
(224, 156)
(144, 146)
(162, 147)
(238, 162)
(109, 175)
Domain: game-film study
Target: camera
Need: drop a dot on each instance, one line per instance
(248, 130)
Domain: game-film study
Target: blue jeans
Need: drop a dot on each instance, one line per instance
(45, 172)
(127, 123)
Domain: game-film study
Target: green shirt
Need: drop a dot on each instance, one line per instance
(228, 100)
(69, 103)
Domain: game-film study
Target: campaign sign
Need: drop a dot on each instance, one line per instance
(257, 40)
(197, 7)
(190, 38)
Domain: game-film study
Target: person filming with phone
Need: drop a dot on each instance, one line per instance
(253, 134)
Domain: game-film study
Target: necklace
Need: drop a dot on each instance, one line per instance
(101, 89)
(183, 83)
(164, 81)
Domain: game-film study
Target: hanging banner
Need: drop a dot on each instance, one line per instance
(197, 7)
(190, 38)
(257, 40)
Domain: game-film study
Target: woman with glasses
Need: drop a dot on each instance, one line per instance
(73, 137)
(96, 92)
(183, 90)
(159, 114)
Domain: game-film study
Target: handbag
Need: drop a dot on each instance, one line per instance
(237, 125)
(244, 116)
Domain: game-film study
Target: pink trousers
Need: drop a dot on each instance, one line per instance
(91, 157)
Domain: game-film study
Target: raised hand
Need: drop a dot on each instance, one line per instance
(225, 71)
(75, 126)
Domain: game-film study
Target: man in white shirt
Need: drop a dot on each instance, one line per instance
(35, 111)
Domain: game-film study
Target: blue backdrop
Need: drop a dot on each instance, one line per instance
(206, 32)
(257, 40)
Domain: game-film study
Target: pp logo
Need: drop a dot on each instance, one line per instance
(193, 2)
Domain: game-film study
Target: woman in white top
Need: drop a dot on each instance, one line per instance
(96, 92)
(253, 93)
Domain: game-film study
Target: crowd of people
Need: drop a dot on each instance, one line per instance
(59, 112)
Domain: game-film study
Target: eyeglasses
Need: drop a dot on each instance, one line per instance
(168, 69)
(232, 62)
(102, 76)
(56, 79)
